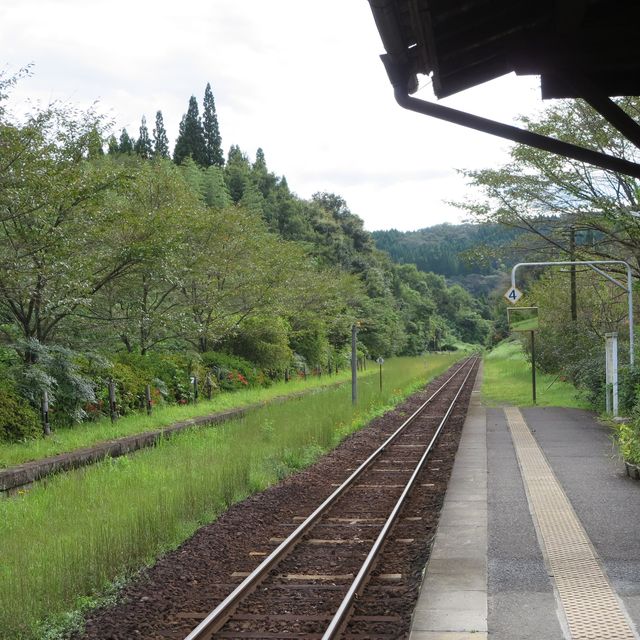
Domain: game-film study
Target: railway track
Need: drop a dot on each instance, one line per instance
(318, 580)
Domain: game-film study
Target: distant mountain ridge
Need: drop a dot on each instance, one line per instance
(449, 249)
(472, 255)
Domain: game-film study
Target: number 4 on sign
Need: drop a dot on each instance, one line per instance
(513, 295)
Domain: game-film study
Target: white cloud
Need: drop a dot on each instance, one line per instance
(301, 80)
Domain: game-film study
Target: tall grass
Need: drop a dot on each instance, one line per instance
(69, 538)
(507, 380)
(88, 433)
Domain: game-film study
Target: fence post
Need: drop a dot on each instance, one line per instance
(45, 413)
(112, 401)
(195, 389)
(208, 386)
(147, 397)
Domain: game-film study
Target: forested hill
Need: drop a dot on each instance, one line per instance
(449, 249)
(121, 261)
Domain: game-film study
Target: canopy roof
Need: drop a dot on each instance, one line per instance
(463, 43)
(579, 48)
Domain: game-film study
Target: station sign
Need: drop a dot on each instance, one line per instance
(513, 295)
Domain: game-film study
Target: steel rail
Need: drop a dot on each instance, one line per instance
(219, 616)
(340, 617)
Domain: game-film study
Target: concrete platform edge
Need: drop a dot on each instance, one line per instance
(452, 604)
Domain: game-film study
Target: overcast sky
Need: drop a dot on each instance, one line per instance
(300, 79)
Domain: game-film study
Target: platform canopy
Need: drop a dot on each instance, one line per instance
(463, 43)
(579, 48)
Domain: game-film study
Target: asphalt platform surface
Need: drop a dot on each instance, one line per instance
(521, 600)
(487, 577)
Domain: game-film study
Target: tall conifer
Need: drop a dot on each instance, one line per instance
(160, 139)
(212, 138)
(112, 145)
(190, 140)
(143, 145)
(126, 143)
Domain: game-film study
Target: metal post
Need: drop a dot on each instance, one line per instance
(611, 373)
(533, 365)
(381, 377)
(630, 305)
(195, 388)
(574, 293)
(45, 413)
(147, 395)
(354, 365)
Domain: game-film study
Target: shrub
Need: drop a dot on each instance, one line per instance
(130, 386)
(18, 421)
(58, 372)
(629, 388)
(233, 372)
(169, 373)
(627, 436)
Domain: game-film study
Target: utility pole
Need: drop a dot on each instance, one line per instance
(574, 295)
(354, 365)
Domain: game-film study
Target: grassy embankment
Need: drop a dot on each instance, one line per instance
(507, 380)
(89, 433)
(65, 541)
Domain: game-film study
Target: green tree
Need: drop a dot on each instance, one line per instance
(143, 146)
(264, 180)
(190, 141)
(236, 173)
(194, 176)
(160, 138)
(214, 188)
(126, 143)
(112, 145)
(212, 138)
(145, 308)
(57, 248)
(543, 195)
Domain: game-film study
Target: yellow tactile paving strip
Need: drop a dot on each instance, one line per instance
(590, 605)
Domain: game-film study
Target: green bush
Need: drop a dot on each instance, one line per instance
(168, 373)
(629, 389)
(58, 371)
(130, 385)
(18, 421)
(233, 372)
(627, 436)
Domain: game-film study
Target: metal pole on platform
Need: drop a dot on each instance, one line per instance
(611, 373)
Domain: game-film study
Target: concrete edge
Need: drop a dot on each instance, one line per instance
(452, 604)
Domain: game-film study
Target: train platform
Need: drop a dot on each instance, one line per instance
(539, 537)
